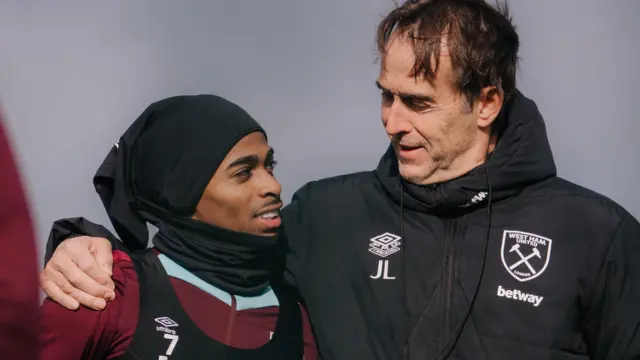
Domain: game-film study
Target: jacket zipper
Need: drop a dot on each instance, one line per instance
(449, 278)
(232, 318)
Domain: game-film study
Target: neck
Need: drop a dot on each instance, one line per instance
(474, 157)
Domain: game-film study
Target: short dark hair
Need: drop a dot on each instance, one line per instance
(482, 40)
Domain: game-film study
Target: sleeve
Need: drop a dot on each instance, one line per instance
(78, 226)
(295, 236)
(18, 263)
(75, 335)
(612, 328)
(89, 334)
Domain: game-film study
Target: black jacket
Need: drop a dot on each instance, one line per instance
(530, 267)
(387, 268)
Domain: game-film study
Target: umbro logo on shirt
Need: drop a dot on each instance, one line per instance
(166, 322)
(385, 244)
(165, 325)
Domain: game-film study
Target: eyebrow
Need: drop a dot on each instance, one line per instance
(249, 160)
(407, 96)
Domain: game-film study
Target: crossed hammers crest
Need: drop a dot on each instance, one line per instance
(524, 259)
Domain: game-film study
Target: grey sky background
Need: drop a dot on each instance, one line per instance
(75, 74)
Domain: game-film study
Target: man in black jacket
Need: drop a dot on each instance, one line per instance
(463, 243)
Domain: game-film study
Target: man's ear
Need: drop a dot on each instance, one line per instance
(488, 106)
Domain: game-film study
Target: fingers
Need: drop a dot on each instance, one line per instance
(74, 277)
(55, 293)
(91, 277)
(94, 267)
(93, 271)
(62, 292)
(102, 252)
(74, 281)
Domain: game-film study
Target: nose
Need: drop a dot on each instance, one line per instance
(395, 122)
(269, 186)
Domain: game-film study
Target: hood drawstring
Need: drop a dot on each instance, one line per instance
(453, 339)
(404, 281)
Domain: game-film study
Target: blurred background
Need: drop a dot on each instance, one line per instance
(75, 74)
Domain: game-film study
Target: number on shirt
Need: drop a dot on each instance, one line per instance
(172, 346)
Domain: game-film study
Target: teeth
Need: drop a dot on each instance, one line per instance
(270, 215)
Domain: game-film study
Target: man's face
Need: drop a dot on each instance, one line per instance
(243, 195)
(429, 124)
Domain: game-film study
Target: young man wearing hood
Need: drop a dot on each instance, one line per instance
(199, 168)
(464, 242)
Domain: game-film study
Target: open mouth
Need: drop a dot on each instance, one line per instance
(270, 220)
(270, 215)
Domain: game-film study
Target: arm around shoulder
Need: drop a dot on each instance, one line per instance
(67, 228)
(86, 333)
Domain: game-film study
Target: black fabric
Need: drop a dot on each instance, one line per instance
(157, 173)
(71, 227)
(351, 236)
(165, 329)
(238, 263)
